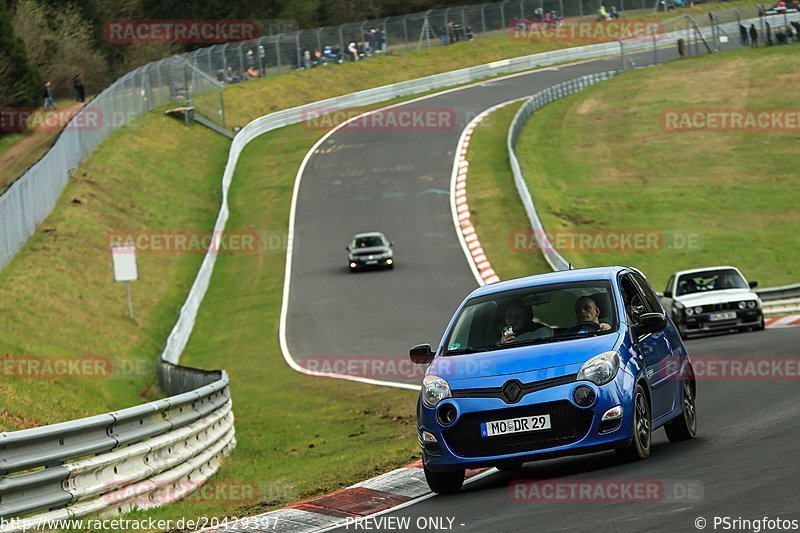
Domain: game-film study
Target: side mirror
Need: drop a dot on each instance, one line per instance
(421, 354)
(753, 284)
(391, 244)
(667, 294)
(652, 322)
(347, 247)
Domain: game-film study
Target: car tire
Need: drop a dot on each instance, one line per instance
(685, 426)
(444, 482)
(641, 441)
(761, 326)
(682, 333)
(508, 467)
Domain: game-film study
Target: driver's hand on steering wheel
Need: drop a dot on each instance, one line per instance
(604, 326)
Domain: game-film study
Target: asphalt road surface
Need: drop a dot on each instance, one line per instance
(396, 181)
(743, 464)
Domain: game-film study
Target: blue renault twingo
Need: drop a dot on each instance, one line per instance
(569, 362)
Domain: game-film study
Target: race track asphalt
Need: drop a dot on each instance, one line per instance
(744, 462)
(396, 181)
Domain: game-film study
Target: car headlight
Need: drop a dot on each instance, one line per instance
(434, 390)
(742, 305)
(689, 311)
(752, 304)
(600, 369)
(698, 310)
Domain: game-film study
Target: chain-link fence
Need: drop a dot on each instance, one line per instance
(195, 81)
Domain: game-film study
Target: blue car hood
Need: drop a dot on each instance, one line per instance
(524, 359)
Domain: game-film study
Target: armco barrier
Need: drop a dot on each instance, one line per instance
(116, 461)
(31, 198)
(778, 299)
(535, 102)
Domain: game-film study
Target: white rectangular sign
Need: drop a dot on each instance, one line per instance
(124, 259)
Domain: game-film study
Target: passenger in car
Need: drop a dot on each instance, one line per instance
(520, 318)
(587, 310)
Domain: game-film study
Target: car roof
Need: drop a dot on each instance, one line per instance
(368, 234)
(696, 270)
(579, 274)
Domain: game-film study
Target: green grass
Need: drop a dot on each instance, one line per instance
(23, 159)
(10, 139)
(13, 167)
(298, 436)
(257, 97)
(58, 298)
(601, 161)
(495, 208)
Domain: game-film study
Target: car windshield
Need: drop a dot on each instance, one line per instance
(367, 242)
(710, 280)
(534, 315)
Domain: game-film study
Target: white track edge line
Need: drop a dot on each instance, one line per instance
(293, 212)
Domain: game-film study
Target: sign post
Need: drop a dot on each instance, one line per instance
(123, 257)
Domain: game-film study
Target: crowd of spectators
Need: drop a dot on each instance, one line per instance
(768, 36)
(372, 42)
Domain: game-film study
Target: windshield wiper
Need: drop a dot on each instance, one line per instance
(467, 350)
(546, 340)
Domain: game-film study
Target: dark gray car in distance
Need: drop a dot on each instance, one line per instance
(369, 250)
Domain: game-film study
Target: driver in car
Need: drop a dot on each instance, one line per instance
(587, 310)
(519, 318)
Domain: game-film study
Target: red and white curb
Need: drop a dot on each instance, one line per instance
(361, 502)
(478, 262)
(783, 322)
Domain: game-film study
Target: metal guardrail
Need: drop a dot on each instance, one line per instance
(779, 293)
(132, 458)
(47, 468)
(533, 104)
(118, 461)
(537, 101)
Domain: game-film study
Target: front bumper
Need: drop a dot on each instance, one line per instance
(370, 263)
(702, 323)
(575, 430)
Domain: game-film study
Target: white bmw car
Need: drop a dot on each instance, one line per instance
(712, 299)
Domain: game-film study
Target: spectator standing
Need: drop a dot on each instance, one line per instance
(48, 97)
(753, 36)
(743, 34)
(769, 34)
(80, 88)
(262, 59)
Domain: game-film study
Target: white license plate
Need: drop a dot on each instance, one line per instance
(515, 425)
(373, 262)
(730, 315)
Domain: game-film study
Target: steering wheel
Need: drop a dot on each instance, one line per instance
(582, 326)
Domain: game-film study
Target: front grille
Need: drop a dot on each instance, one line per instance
(725, 306)
(525, 388)
(569, 424)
